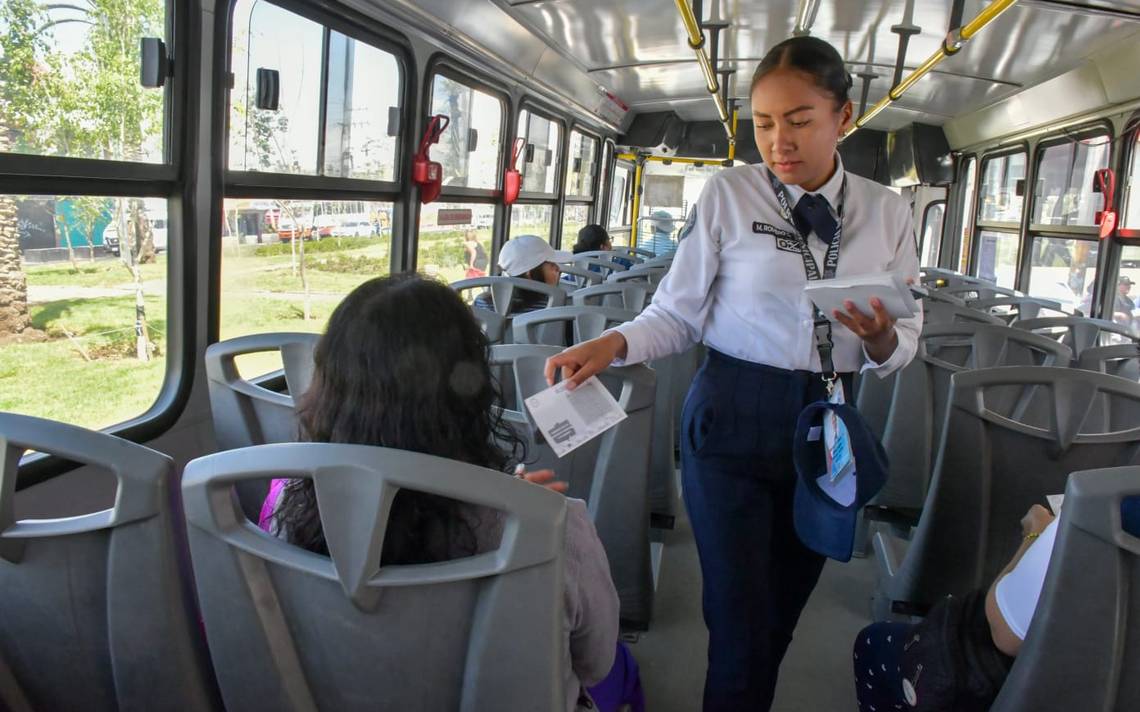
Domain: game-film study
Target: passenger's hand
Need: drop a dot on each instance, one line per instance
(580, 362)
(544, 478)
(877, 331)
(1035, 520)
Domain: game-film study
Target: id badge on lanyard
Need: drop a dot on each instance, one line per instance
(822, 325)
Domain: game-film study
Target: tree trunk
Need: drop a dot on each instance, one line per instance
(137, 228)
(14, 317)
(65, 235)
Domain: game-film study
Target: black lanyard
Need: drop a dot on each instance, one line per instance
(822, 325)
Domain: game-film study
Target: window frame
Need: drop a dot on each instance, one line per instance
(626, 225)
(1102, 128)
(594, 175)
(241, 185)
(1130, 152)
(259, 183)
(31, 174)
(531, 105)
(1012, 228)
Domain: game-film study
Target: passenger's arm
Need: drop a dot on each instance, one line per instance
(1034, 522)
(886, 359)
(591, 599)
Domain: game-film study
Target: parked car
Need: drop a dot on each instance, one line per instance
(157, 231)
(353, 228)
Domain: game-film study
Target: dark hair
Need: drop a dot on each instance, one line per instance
(591, 238)
(812, 56)
(402, 364)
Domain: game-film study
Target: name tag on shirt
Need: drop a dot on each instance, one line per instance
(569, 419)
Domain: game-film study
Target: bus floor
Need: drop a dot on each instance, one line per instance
(816, 674)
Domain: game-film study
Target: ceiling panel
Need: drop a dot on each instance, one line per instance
(637, 47)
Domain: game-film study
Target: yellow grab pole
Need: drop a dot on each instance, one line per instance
(950, 45)
(697, 43)
(636, 207)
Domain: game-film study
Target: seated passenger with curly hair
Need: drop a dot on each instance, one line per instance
(403, 364)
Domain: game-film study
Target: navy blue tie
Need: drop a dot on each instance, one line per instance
(813, 212)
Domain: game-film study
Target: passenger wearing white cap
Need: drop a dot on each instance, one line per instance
(527, 257)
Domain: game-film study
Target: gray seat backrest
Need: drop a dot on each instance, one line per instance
(653, 275)
(1083, 646)
(246, 414)
(937, 295)
(656, 262)
(908, 409)
(622, 253)
(607, 265)
(97, 610)
(992, 467)
(294, 630)
(503, 290)
(974, 290)
(1079, 333)
(1011, 308)
(582, 277)
(949, 276)
(1122, 360)
(936, 312)
(631, 296)
(585, 323)
(494, 325)
(610, 472)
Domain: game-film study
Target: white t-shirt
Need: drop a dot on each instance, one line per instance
(1018, 591)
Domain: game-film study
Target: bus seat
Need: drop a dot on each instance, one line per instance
(1083, 646)
(938, 295)
(618, 253)
(610, 473)
(608, 265)
(1121, 360)
(936, 312)
(1011, 308)
(652, 275)
(656, 262)
(978, 289)
(1079, 333)
(494, 325)
(580, 276)
(294, 630)
(586, 323)
(247, 414)
(97, 610)
(628, 295)
(503, 290)
(992, 466)
(908, 409)
(589, 323)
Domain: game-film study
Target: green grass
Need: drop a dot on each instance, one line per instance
(55, 379)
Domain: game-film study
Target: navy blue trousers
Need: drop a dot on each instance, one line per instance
(739, 482)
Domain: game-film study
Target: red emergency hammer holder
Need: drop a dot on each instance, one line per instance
(426, 173)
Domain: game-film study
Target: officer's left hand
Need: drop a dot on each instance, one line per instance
(877, 331)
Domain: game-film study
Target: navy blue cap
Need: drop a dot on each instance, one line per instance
(824, 525)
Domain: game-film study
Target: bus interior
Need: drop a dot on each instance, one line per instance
(188, 188)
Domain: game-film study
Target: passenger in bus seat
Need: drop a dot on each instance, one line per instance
(957, 658)
(749, 246)
(527, 257)
(593, 238)
(660, 241)
(403, 364)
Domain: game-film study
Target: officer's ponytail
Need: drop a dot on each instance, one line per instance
(812, 56)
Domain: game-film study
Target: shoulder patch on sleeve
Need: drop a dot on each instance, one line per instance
(690, 222)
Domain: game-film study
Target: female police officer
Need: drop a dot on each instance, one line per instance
(753, 239)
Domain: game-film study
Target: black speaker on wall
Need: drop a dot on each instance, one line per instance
(661, 130)
(864, 153)
(919, 155)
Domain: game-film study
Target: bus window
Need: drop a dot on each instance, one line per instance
(931, 232)
(286, 263)
(1125, 295)
(473, 115)
(1064, 270)
(997, 257)
(620, 193)
(1131, 217)
(442, 249)
(999, 216)
(364, 89)
(579, 186)
(533, 220)
(96, 288)
(668, 192)
(967, 212)
(1064, 194)
(539, 165)
(285, 140)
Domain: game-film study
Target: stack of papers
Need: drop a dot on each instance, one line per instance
(890, 287)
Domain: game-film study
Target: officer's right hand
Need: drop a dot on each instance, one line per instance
(580, 362)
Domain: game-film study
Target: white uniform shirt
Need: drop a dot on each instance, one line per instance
(739, 293)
